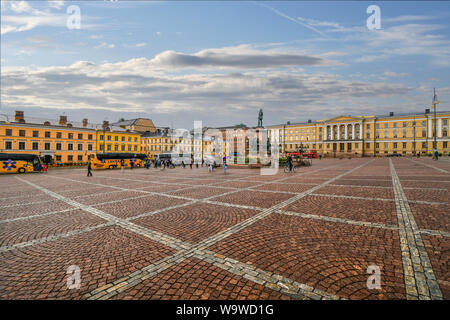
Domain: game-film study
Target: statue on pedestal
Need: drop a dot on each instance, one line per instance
(260, 118)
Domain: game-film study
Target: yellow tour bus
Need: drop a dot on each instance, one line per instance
(115, 160)
(18, 162)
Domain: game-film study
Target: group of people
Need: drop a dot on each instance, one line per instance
(163, 163)
(41, 167)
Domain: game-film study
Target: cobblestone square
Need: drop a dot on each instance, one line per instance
(191, 234)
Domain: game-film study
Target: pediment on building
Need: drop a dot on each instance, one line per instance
(342, 118)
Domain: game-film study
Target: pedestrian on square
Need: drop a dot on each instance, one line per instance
(436, 154)
(224, 165)
(209, 165)
(190, 164)
(122, 165)
(89, 168)
(203, 161)
(290, 164)
(182, 163)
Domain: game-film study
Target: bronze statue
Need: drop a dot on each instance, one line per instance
(260, 118)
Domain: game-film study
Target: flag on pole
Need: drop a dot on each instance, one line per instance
(435, 100)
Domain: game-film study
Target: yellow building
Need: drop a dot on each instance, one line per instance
(154, 143)
(56, 141)
(165, 140)
(116, 139)
(405, 134)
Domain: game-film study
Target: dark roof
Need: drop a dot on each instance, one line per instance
(126, 122)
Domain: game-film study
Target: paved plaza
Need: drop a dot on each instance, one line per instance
(189, 234)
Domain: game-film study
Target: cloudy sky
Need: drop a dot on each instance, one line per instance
(219, 62)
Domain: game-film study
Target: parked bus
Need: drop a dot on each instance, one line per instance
(114, 160)
(18, 162)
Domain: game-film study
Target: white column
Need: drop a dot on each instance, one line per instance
(430, 127)
(439, 128)
(360, 131)
(338, 132)
(346, 131)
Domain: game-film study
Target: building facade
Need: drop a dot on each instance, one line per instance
(117, 139)
(60, 142)
(405, 134)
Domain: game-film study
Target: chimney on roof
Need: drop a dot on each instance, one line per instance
(19, 116)
(105, 124)
(62, 120)
(85, 122)
(309, 121)
(427, 110)
(391, 114)
(288, 122)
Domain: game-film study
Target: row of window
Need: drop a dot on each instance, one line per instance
(378, 126)
(116, 148)
(58, 158)
(404, 145)
(48, 134)
(405, 135)
(22, 145)
(395, 145)
(405, 124)
(419, 134)
(116, 138)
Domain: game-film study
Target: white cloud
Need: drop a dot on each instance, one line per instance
(24, 17)
(239, 57)
(407, 18)
(105, 45)
(395, 74)
(135, 86)
(57, 4)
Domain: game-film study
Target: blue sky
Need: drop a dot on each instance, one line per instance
(219, 62)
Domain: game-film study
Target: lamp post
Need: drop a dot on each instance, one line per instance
(414, 136)
(435, 102)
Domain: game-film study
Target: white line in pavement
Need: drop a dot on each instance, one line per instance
(429, 166)
(420, 281)
(129, 281)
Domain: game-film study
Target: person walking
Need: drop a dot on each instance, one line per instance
(122, 165)
(182, 163)
(224, 165)
(190, 163)
(209, 165)
(203, 161)
(290, 164)
(436, 154)
(89, 168)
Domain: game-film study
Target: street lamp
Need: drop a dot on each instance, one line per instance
(435, 102)
(414, 136)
